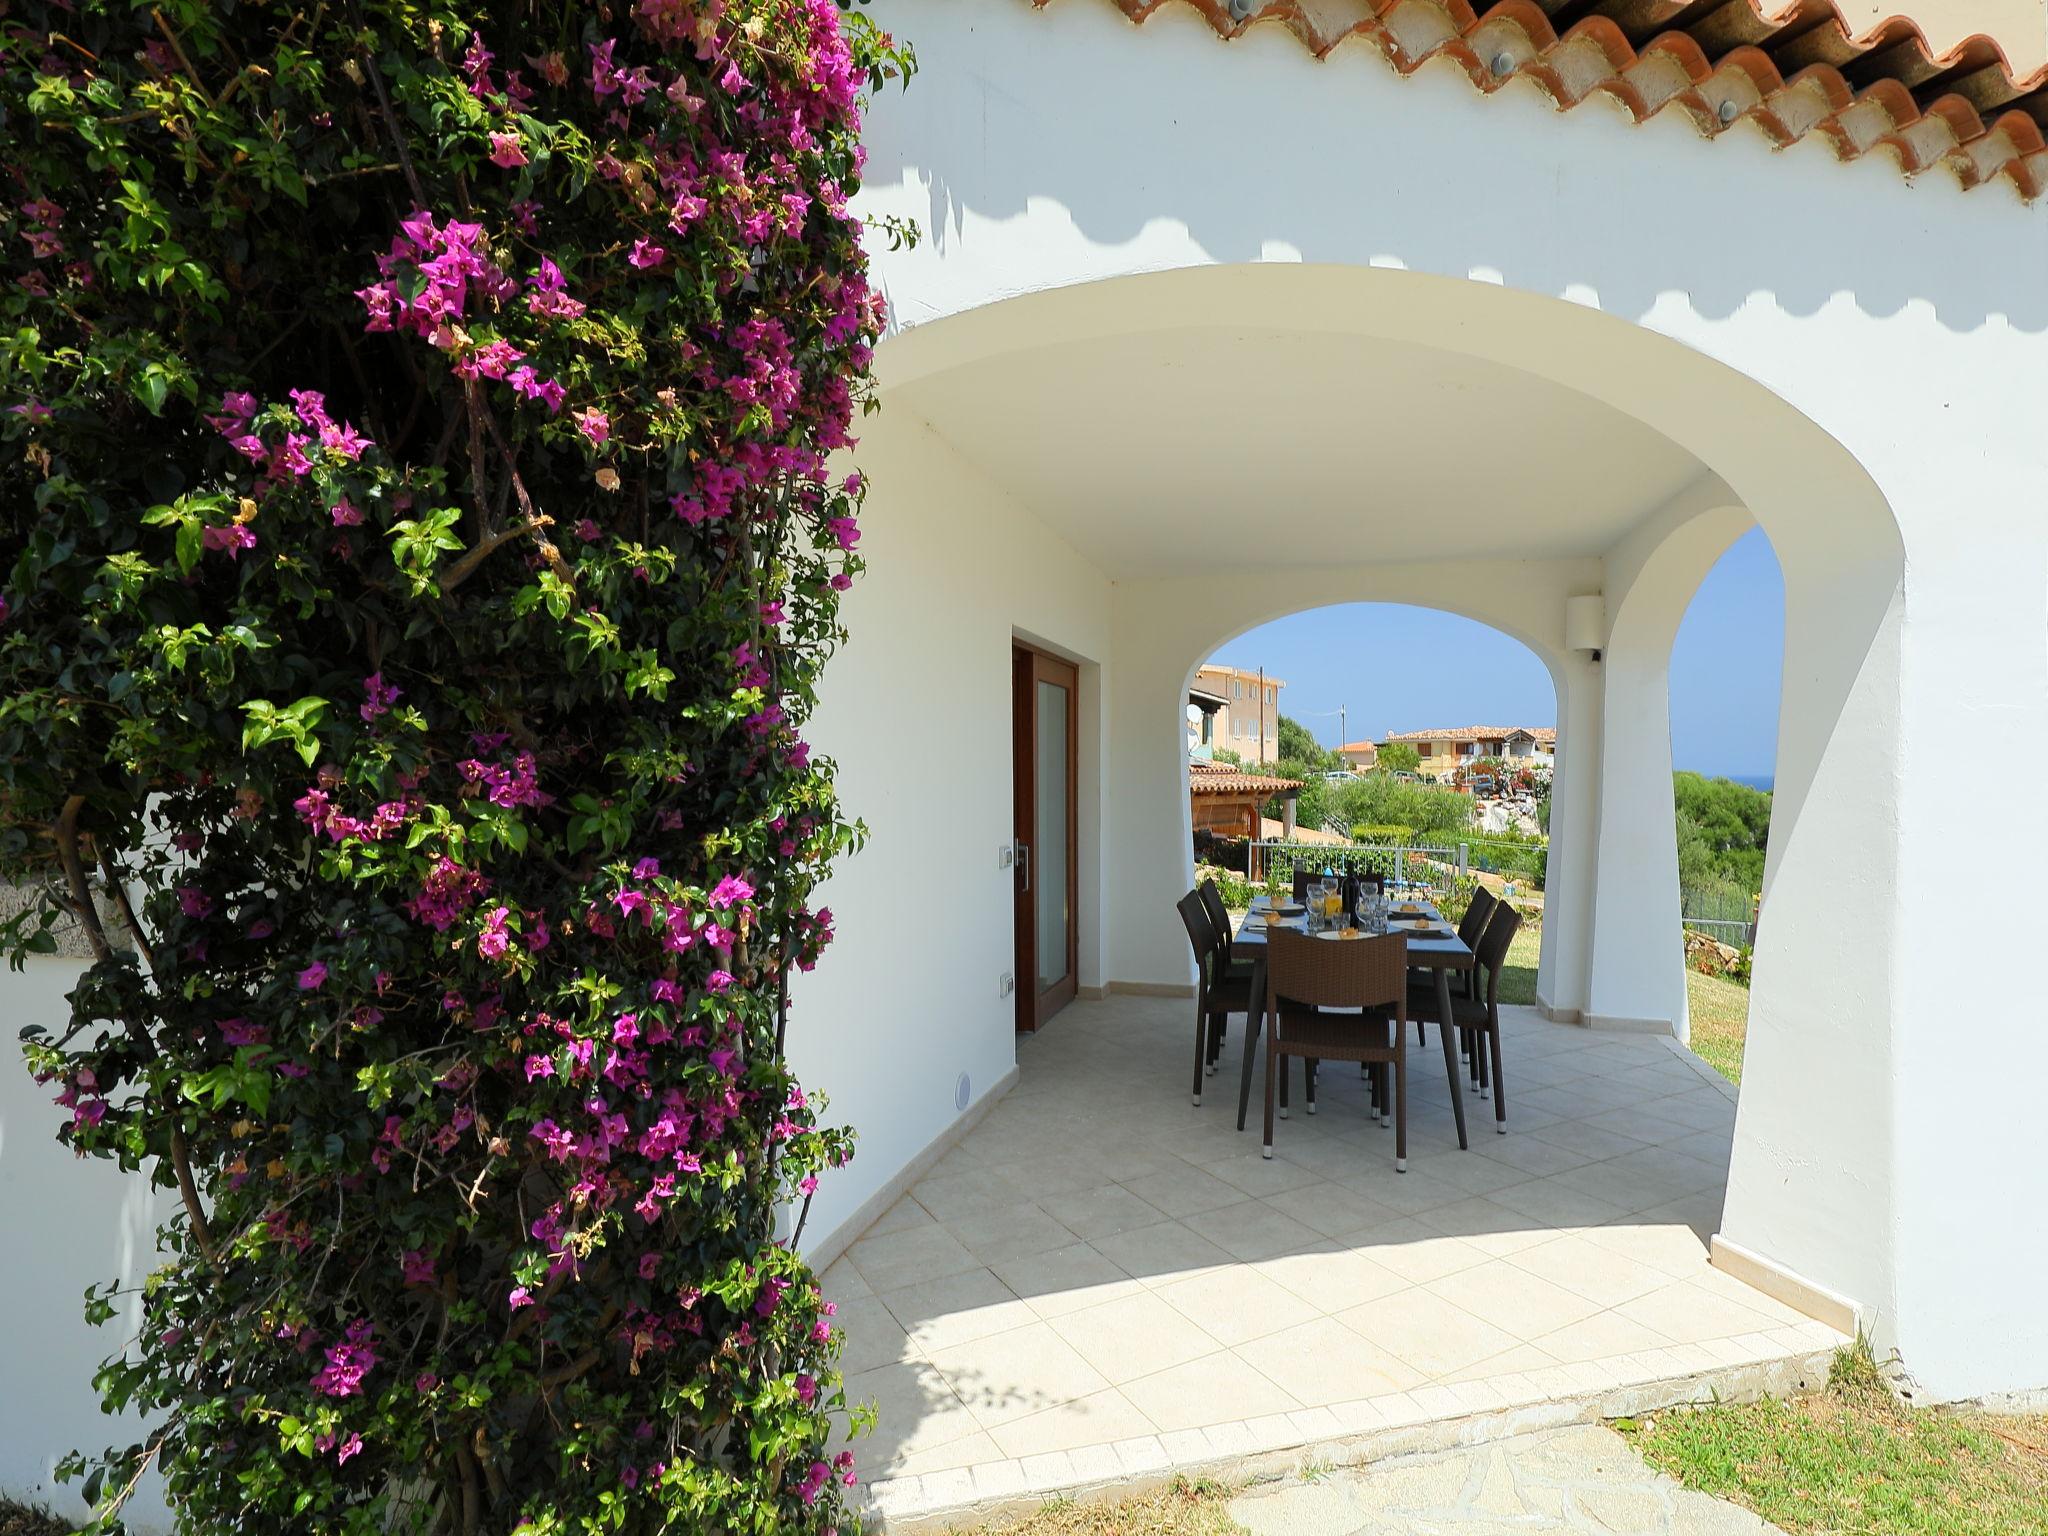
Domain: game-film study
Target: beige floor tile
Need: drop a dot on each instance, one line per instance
(1600, 1337)
(916, 1410)
(1240, 1303)
(1330, 1278)
(973, 1450)
(1405, 1194)
(904, 1214)
(1426, 1331)
(1161, 1254)
(1216, 1389)
(1103, 1212)
(1517, 1361)
(1591, 1142)
(1324, 1362)
(1064, 1280)
(1251, 1230)
(1558, 1202)
(1010, 1376)
(952, 1309)
(1101, 1418)
(1134, 1336)
(1668, 1246)
(872, 1335)
(1331, 1209)
(1488, 1226)
(1184, 1190)
(1011, 1232)
(969, 1192)
(842, 1282)
(1257, 1175)
(1417, 1252)
(1596, 1273)
(1514, 1300)
(1686, 1314)
(911, 1254)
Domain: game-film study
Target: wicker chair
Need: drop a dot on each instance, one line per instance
(1233, 969)
(1470, 927)
(1478, 1021)
(1306, 976)
(1217, 993)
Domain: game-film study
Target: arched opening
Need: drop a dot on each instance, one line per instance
(1727, 665)
(1128, 473)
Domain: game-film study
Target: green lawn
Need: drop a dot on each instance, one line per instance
(1720, 1008)
(1853, 1459)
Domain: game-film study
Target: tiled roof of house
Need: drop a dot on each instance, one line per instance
(1791, 72)
(1225, 779)
(1359, 746)
(1547, 733)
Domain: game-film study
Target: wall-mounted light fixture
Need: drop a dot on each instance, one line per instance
(1585, 623)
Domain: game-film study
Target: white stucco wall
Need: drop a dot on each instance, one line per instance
(1903, 324)
(916, 714)
(67, 1224)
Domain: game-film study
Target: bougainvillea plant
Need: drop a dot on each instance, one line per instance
(418, 556)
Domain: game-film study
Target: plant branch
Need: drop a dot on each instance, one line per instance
(74, 873)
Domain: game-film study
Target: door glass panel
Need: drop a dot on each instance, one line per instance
(1049, 852)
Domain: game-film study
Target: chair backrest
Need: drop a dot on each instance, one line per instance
(1473, 923)
(1336, 973)
(1201, 936)
(1212, 903)
(1493, 948)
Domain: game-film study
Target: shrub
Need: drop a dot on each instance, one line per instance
(1392, 833)
(419, 558)
(1231, 885)
(1379, 799)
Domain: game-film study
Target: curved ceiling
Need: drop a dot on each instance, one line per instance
(1205, 447)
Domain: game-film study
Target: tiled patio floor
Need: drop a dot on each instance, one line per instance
(1099, 1262)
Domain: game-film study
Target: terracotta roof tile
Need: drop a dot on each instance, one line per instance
(1224, 779)
(1715, 69)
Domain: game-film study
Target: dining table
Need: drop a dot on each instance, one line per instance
(1433, 946)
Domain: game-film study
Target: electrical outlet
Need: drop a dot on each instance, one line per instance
(1006, 985)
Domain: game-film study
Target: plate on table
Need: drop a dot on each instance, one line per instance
(1287, 909)
(1341, 933)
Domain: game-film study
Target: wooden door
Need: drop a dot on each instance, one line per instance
(1045, 716)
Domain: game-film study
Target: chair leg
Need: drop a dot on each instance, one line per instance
(1244, 1084)
(1286, 1066)
(1201, 1044)
(1500, 1097)
(1309, 1067)
(1400, 1112)
(1274, 1061)
(1479, 1057)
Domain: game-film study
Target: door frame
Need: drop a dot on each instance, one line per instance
(1030, 666)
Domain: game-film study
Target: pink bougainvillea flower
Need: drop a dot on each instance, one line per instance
(594, 424)
(193, 902)
(506, 151)
(313, 977)
(234, 538)
(520, 1297)
(345, 513)
(646, 253)
(378, 696)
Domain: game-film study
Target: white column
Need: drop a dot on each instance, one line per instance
(1637, 975)
(1565, 955)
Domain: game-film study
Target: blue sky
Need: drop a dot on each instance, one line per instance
(1725, 669)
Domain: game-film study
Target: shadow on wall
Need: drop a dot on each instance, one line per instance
(1261, 152)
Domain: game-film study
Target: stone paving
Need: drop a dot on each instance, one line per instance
(1584, 1480)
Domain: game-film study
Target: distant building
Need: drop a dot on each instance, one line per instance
(1362, 755)
(1237, 722)
(1444, 752)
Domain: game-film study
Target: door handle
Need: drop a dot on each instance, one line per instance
(1024, 864)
